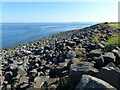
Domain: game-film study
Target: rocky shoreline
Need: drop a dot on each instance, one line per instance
(73, 60)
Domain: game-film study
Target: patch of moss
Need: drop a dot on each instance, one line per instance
(81, 59)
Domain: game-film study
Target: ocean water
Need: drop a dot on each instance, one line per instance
(14, 34)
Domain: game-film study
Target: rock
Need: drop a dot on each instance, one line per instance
(52, 87)
(71, 43)
(55, 60)
(99, 62)
(24, 79)
(117, 54)
(71, 54)
(52, 81)
(21, 71)
(109, 48)
(110, 74)
(95, 53)
(75, 60)
(100, 45)
(24, 86)
(108, 57)
(78, 69)
(39, 81)
(8, 76)
(8, 86)
(88, 82)
(33, 73)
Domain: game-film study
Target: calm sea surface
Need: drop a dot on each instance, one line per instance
(14, 34)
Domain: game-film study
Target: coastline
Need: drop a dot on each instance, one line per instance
(65, 61)
(40, 40)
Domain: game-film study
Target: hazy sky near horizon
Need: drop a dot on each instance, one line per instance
(59, 11)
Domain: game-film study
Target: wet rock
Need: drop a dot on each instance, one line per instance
(110, 74)
(90, 82)
(71, 54)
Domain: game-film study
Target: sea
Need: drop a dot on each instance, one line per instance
(14, 34)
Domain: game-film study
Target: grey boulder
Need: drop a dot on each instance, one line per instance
(110, 74)
(88, 82)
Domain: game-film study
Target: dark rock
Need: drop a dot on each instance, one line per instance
(24, 79)
(88, 82)
(99, 62)
(95, 53)
(110, 74)
(39, 81)
(108, 57)
(78, 69)
(71, 43)
(109, 48)
(71, 54)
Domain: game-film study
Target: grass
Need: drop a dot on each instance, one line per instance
(114, 41)
(114, 25)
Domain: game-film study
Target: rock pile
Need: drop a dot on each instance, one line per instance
(73, 60)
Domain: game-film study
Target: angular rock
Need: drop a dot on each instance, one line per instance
(21, 71)
(99, 62)
(108, 57)
(109, 48)
(88, 82)
(71, 43)
(24, 79)
(110, 74)
(75, 60)
(78, 69)
(71, 54)
(39, 81)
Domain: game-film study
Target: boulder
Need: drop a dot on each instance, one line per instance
(39, 81)
(71, 43)
(108, 57)
(109, 48)
(24, 79)
(95, 53)
(99, 62)
(117, 54)
(75, 60)
(110, 74)
(55, 60)
(21, 71)
(71, 54)
(88, 82)
(78, 69)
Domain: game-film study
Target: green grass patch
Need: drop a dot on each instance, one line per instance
(114, 25)
(114, 41)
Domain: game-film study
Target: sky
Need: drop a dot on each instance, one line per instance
(59, 12)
